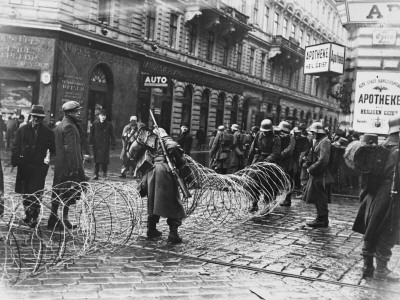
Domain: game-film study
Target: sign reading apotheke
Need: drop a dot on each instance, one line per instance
(377, 99)
(324, 59)
(155, 81)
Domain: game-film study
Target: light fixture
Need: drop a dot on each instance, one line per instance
(104, 31)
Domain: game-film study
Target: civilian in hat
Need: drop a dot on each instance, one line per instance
(32, 143)
(102, 138)
(185, 140)
(128, 137)
(68, 165)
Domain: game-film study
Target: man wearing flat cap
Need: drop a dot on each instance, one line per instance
(68, 166)
(33, 142)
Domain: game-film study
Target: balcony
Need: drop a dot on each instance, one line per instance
(282, 48)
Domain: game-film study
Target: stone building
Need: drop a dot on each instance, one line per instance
(224, 61)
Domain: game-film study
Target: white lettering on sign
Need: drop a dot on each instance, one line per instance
(377, 98)
(373, 12)
(156, 81)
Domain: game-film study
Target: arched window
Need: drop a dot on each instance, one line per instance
(220, 109)
(204, 106)
(302, 116)
(308, 118)
(294, 117)
(234, 111)
(187, 105)
(278, 114)
(287, 112)
(98, 75)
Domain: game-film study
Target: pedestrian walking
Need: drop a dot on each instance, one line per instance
(286, 155)
(220, 151)
(185, 140)
(265, 147)
(318, 190)
(68, 165)
(159, 185)
(201, 139)
(128, 136)
(378, 217)
(236, 162)
(12, 126)
(103, 139)
(31, 150)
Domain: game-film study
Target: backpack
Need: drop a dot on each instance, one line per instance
(371, 159)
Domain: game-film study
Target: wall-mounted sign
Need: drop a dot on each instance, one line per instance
(324, 59)
(384, 37)
(155, 81)
(377, 99)
(372, 12)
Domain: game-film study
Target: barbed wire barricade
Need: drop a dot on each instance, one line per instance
(108, 215)
(218, 199)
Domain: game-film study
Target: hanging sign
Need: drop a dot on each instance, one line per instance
(155, 81)
(377, 99)
(324, 59)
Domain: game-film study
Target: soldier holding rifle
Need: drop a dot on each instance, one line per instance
(161, 183)
(379, 214)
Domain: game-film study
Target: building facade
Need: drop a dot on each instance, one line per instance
(225, 62)
(373, 61)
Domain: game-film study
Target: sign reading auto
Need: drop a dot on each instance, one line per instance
(155, 81)
(324, 59)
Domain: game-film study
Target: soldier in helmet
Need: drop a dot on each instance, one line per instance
(265, 147)
(220, 151)
(286, 156)
(318, 189)
(237, 153)
(379, 214)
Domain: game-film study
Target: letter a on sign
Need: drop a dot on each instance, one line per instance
(374, 11)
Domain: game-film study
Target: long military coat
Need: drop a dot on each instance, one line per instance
(265, 147)
(102, 137)
(318, 185)
(160, 187)
(376, 213)
(286, 156)
(28, 153)
(69, 157)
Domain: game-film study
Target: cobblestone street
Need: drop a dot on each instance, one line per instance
(273, 257)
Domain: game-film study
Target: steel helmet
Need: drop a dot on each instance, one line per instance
(235, 127)
(394, 124)
(266, 125)
(284, 126)
(317, 127)
(221, 127)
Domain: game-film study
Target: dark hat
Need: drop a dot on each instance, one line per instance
(37, 110)
(185, 124)
(103, 112)
(369, 138)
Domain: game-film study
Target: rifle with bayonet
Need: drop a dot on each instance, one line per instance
(181, 183)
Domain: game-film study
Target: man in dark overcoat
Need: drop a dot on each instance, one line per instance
(379, 215)
(185, 140)
(265, 147)
(31, 145)
(318, 190)
(161, 189)
(68, 165)
(220, 151)
(102, 138)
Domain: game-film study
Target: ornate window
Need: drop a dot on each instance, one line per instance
(98, 76)
(173, 27)
(104, 14)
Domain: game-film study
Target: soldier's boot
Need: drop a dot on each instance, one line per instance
(67, 224)
(173, 236)
(152, 231)
(368, 267)
(54, 222)
(319, 222)
(288, 200)
(383, 273)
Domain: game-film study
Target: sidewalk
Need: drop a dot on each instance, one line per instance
(273, 257)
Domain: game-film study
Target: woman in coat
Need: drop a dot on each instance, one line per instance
(318, 189)
(32, 142)
(102, 138)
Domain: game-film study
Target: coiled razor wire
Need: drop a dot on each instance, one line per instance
(218, 199)
(109, 215)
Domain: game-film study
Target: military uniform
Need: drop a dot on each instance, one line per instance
(378, 217)
(161, 189)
